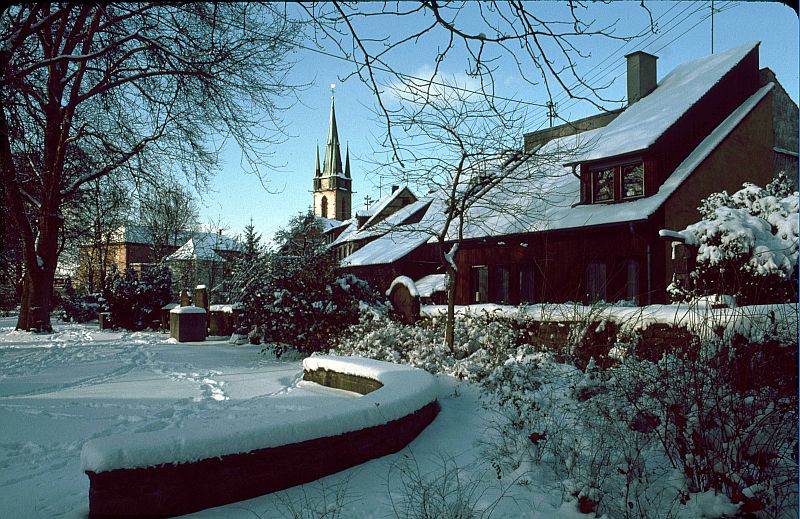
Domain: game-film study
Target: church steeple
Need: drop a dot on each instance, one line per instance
(332, 183)
(333, 156)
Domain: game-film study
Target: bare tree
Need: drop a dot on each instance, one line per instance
(461, 138)
(99, 208)
(470, 157)
(546, 50)
(168, 213)
(143, 88)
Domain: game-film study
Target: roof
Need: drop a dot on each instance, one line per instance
(400, 241)
(354, 232)
(385, 202)
(390, 222)
(204, 246)
(643, 122)
(134, 233)
(328, 223)
(545, 201)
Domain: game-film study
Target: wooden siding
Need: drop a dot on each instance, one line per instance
(560, 261)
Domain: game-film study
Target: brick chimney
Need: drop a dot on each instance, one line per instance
(642, 78)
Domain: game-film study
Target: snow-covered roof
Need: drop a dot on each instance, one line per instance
(390, 222)
(383, 203)
(204, 247)
(546, 201)
(134, 233)
(398, 242)
(372, 226)
(429, 284)
(643, 122)
(328, 223)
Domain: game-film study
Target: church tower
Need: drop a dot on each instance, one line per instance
(332, 184)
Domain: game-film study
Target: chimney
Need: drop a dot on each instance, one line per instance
(642, 77)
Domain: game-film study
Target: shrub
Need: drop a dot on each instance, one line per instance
(135, 300)
(747, 245)
(80, 308)
(294, 297)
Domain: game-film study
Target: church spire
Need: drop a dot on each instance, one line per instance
(332, 166)
(347, 162)
(317, 171)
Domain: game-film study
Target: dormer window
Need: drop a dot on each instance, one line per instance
(603, 185)
(613, 183)
(633, 181)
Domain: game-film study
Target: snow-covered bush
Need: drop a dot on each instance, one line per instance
(135, 299)
(295, 298)
(80, 308)
(747, 245)
(643, 439)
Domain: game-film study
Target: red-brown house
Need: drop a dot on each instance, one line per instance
(586, 229)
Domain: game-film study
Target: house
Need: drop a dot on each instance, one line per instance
(131, 246)
(205, 259)
(584, 225)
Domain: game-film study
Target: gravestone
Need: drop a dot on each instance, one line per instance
(185, 298)
(165, 315)
(201, 297)
(187, 324)
(105, 320)
(405, 299)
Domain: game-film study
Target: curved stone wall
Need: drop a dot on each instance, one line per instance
(398, 403)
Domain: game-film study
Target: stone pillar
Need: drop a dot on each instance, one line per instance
(201, 297)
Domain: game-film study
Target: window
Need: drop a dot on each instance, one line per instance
(603, 185)
(633, 180)
(526, 285)
(499, 284)
(613, 184)
(595, 282)
(479, 284)
(324, 207)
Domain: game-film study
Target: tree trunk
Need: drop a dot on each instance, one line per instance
(449, 333)
(24, 304)
(40, 301)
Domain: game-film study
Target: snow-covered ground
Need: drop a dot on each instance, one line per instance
(60, 390)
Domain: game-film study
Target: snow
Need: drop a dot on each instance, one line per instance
(399, 242)
(428, 285)
(406, 282)
(674, 235)
(228, 309)
(59, 391)
(704, 320)
(197, 249)
(188, 310)
(643, 122)
(384, 202)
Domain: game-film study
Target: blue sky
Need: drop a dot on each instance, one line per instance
(684, 33)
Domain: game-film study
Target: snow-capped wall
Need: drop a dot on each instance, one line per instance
(175, 472)
(405, 390)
